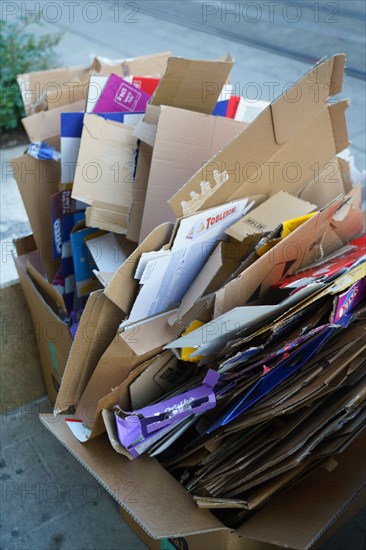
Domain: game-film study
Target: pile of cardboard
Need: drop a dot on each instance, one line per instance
(227, 335)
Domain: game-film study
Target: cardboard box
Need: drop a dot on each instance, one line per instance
(164, 510)
(53, 336)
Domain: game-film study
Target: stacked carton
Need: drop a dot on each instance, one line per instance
(218, 372)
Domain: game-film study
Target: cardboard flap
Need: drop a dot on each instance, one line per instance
(269, 214)
(39, 83)
(263, 163)
(76, 90)
(122, 288)
(324, 496)
(109, 130)
(135, 485)
(25, 245)
(300, 248)
(337, 112)
(46, 286)
(53, 350)
(37, 180)
(185, 140)
(144, 65)
(139, 190)
(98, 326)
(312, 91)
(192, 84)
(46, 125)
(332, 181)
(146, 129)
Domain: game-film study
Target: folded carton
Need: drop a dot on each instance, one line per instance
(106, 183)
(186, 84)
(52, 334)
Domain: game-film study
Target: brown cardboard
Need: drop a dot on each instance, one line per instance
(53, 336)
(144, 65)
(112, 369)
(139, 191)
(104, 417)
(128, 350)
(298, 130)
(157, 379)
(102, 315)
(184, 141)
(325, 496)
(77, 90)
(319, 506)
(268, 215)
(192, 84)
(35, 85)
(48, 289)
(315, 238)
(324, 187)
(109, 187)
(37, 180)
(46, 125)
(142, 169)
(97, 328)
(186, 84)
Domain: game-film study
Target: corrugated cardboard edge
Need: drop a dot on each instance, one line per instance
(320, 492)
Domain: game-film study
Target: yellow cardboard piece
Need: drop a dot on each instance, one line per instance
(288, 227)
(186, 352)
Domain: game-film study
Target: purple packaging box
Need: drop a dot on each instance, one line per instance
(145, 424)
(120, 95)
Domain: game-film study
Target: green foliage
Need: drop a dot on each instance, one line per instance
(21, 52)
